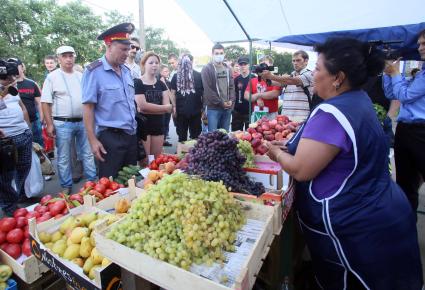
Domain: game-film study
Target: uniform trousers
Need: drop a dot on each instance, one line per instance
(409, 148)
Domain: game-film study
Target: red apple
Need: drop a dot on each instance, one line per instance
(278, 136)
(20, 212)
(45, 199)
(251, 131)
(255, 142)
(262, 149)
(41, 209)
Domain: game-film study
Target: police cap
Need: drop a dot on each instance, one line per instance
(120, 32)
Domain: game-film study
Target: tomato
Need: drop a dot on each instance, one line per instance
(21, 221)
(45, 199)
(32, 214)
(2, 237)
(7, 224)
(13, 250)
(88, 184)
(41, 209)
(20, 212)
(108, 192)
(100, 188)
(154, 165)
(44, 217)
(26, 248)
(15, 236)
(57, 207)
(105, 181)
(114, 185)
(4, 245)
(65, 211)
(77, 197)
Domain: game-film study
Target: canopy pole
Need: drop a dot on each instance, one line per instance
(250, 53)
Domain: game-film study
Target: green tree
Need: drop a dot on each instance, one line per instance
(234, 51)
(156, 41)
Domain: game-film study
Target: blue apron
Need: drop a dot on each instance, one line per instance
(367, 226)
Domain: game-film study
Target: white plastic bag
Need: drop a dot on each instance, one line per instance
(35, 181)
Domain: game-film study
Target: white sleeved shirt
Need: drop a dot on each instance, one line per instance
(12, 120)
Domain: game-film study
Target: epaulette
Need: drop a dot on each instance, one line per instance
(94, 65)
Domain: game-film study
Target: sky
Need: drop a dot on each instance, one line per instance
(165, 14)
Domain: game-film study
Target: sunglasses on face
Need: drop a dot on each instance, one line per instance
(135, 47)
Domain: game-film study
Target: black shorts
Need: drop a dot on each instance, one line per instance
(150, 125)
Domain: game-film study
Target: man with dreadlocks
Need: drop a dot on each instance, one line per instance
(186, 97)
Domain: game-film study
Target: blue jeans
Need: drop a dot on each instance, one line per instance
(218, 119)
(66, 133)
(36, 131)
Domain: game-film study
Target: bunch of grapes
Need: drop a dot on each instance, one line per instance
(182, 220)
(245, 148)
(216, 157)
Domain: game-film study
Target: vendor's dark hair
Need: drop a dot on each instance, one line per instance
(358, 60)
(422, 33)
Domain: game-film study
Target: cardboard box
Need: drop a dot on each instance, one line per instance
(106, 278)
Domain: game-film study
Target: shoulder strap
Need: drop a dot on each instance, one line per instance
(94, 65)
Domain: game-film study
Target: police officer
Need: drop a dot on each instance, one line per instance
(108, 99)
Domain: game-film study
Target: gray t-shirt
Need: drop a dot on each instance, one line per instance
(222, 74)
(12, 120)
(63, 91)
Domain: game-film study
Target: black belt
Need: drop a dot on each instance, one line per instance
(116, 130)
(73, 120)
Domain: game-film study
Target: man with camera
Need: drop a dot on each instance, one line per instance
(263, 93)
(409, 140)
(298, 92)
(219, 91)
(15, 139)
(63, 111)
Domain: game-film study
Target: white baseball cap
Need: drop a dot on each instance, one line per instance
(65, 48)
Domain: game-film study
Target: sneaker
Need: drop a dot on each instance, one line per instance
(167, 144)
(48, 177)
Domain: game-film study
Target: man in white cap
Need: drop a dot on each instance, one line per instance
(63, 113)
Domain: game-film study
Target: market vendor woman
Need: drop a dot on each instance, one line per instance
(356, 221)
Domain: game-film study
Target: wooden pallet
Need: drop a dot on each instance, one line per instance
(171, 277)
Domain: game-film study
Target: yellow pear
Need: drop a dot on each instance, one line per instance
(92, 241)
(89, 217)
(69, 223)
(96, 257)
(49, 245)
(59, 247)
(56, 236)
(86, 247)
(105, 262)
(91, 273)
(88, 264)
(78, 261)
(68, 242)
(45, 237)
(72, 252)
(93, 224)
(78, 233)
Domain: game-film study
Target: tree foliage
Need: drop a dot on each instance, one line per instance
(32, 29)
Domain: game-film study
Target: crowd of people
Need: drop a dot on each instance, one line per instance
(117, 110)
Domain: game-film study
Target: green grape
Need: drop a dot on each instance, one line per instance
(182, 220)
(246, 150)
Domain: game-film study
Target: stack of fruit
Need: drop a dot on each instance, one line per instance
(102, 189)
(181, 220)
(216, 157)
(161, 159)
(279, 129)
(5, 273)
(74, 241)
(127, 172)
(154, 176)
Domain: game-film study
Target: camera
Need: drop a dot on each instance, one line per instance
(390, 52)
(260, 68)
(7, 69)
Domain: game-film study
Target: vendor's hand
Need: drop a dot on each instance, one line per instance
(392, 68)
(228, 104)
(97, 149)
(280, 144)
(169, 108)
(51, 132)
(273, 152)
(174, 113)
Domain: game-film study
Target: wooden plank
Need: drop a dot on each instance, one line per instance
(174, 278)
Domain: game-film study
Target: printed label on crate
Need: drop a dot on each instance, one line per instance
(227, 273)
(110, 278)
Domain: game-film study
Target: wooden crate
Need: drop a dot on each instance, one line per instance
(108, 203)
(70, 272)
(171, 277)
(29, 271)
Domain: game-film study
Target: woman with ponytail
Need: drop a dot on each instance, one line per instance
(356, 221)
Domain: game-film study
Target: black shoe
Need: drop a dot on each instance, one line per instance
(167, 144)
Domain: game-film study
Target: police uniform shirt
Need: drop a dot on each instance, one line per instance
(113, 96)
(63, 91)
